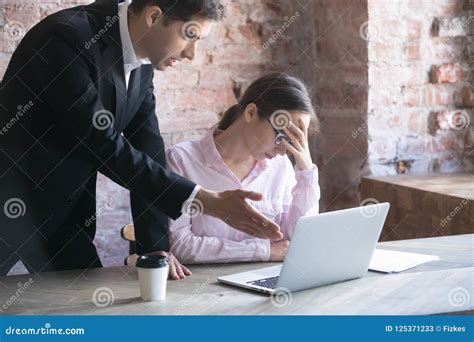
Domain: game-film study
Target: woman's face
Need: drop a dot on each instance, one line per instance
(260, 132)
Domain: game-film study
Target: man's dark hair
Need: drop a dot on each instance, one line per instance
(184, 10)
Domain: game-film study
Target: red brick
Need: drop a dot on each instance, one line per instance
(188, 120)
(4, 60)
(411, 74)
(411, 51)
(442, 8)
(449, 120)
(453, 27)
(468, 5)
(445, 144)
(249, 33)
(235, 14)
(466, 96)
(399, 51)
(447, 50)
(442, 95)
(381, 8)
(383, 148)
(417, 122)
(241, 54)
(182, 77)
(414, 96)
(404, 28)
(394, 121)
(205, 98)
(449, 73)
(412, 147)
(8, 43)
(26, 14)
(381, 98)
(260, 13)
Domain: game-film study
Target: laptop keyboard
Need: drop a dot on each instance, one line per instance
(269, 283)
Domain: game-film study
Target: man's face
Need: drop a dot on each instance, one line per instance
(166, 43)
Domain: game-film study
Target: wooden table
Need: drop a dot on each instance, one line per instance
(438, 287)
(427, 205)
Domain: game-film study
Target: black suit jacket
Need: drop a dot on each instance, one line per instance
(63, 85)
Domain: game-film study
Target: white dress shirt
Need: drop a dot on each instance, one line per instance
(130, 60)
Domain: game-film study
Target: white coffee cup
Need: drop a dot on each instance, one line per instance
(153, 276)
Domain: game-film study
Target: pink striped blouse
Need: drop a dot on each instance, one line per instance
(288, 195)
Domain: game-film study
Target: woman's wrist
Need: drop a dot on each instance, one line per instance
(304, 165)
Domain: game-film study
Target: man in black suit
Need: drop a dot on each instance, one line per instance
(77, 99)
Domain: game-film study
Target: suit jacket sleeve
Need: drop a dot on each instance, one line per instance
(76, 107)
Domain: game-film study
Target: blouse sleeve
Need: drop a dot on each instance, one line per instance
(302, 194)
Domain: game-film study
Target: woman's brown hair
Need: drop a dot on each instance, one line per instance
(272, 93)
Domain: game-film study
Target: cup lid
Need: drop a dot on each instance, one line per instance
(152, 261)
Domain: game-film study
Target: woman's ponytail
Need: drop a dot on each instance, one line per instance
(229, 117)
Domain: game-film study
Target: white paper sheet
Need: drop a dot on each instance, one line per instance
(393, 261)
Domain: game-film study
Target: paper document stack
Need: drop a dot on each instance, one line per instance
(393, 261)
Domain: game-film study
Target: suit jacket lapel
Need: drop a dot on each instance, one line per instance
(113, 58)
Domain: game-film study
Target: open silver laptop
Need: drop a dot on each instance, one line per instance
(325, 249)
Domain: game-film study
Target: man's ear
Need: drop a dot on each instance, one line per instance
(251, 112)
(153, 15)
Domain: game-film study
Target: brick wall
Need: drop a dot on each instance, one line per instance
(328, 53)
(391, 81)
(420, 86)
